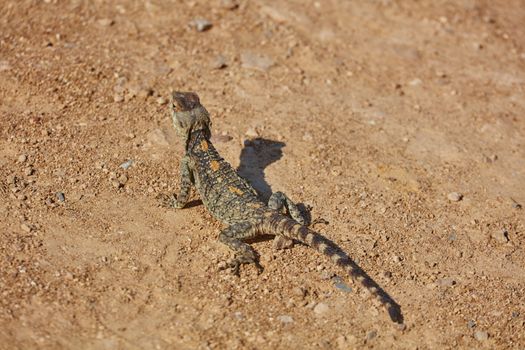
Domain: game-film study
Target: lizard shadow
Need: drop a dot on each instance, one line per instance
(256, 155)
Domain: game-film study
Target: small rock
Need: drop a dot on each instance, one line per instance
(22, 158)
(396, 258)
(4, 66)
(126, 164)
(161, 101)
(60, 196)
(251, 133)
(501, 236)
(371, 335)
(123, 179)
(229, 4)
(481, 335)
(326, 275)
(145, 93)
(116, 184)
(341, 285)
(454, 196)
(219, 62)
(281, 242)
(321, 308)
(471, 324)
(285, 319)
(256, 61)
(299, 291)
(446, 282)
(28, 171)
(118, 98)
(25, 227)
(105, 22)
(201, 24)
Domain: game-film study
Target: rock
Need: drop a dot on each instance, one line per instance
(446, 282)
(219, 62)
(25, 227)
(22, 158)
(29, 171)
(144, 93)
(251, 133)
(481, 335)
(502, 236)
(471, 324)
(285, 319)
(201, 24)
(105, 22)
(252, 60)
(221, 138)
(321, 308)
(126, 164)
(454, 196)
(60, 196)
(341, 285)
(118, 98)
(4, 66)
(229, 4)
(299, 291)
(371, 335)
(161, 101)
(157, 137)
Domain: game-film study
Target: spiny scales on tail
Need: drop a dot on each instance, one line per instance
(230, 199)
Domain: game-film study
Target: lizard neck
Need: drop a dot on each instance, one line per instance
(195, 139)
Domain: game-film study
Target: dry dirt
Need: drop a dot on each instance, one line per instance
(370, 113)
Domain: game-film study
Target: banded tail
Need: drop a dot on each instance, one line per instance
(289, 228)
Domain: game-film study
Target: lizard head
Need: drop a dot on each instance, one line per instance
(189, 115)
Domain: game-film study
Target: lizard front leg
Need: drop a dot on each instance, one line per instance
(232, 236)
(186, 182)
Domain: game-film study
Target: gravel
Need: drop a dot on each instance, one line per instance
(481, 335)
(256, 61)
(502, 236)
(126, 164)
(60, 196)
(285, 319)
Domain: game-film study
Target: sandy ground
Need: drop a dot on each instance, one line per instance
(399, 123)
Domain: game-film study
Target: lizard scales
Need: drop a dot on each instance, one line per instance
(233, 201)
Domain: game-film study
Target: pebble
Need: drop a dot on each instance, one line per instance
(454, 196)
(251, 133)
(341, 285)
(144, 93)
(446, 282)
(501, 236)
(60, 196)
(118, 98)
(126, 164)
(471, 324)
(22, 158)
(201, 24)
(256, 61)
(229, 4)
(481, 335)
(161, 101)
(123, 179)
(221, 138)
(29, 171)
(299, 291)
(105, 22)
(371, 335)
(4, 66)
(285, 319)
(321, 308)
(25, 227)
(219, 62)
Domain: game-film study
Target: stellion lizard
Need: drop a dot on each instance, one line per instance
(233, 201)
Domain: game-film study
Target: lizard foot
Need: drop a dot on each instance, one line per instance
(241, 259)
(168, 201)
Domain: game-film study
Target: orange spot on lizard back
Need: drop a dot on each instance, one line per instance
(204, 145)
(235, 190)
(215, 165)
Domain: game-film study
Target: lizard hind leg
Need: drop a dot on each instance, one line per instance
(232, 236)
(278, 201)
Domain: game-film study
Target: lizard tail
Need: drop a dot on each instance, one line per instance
(290, 228)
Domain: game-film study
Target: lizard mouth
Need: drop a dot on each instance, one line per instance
(184, 101)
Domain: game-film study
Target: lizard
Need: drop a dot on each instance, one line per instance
(234, 202)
